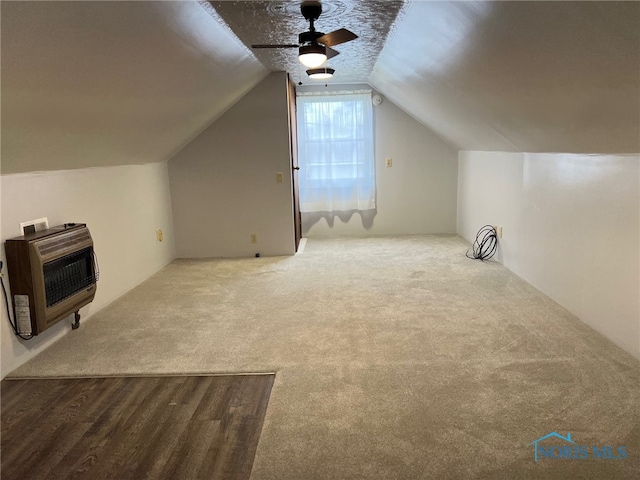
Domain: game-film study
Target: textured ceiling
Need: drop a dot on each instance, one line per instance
(280, 22)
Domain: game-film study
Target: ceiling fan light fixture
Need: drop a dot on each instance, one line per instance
(312, 56)
(321, 73)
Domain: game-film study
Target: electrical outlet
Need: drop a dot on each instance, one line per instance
(279, 177)
(254, 238)
(159, 235)
(389, 162)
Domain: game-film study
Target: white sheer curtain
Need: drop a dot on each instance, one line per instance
(335, 152)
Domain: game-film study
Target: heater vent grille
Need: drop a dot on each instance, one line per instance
(68, 275)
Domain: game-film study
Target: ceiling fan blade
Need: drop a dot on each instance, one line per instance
(337, 37)
(330, 52)
(287, 45)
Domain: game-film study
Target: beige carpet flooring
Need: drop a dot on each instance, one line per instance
(396, 358)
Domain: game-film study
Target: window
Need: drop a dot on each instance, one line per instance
(335, 152)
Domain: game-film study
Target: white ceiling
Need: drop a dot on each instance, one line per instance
(108, 83)
(519, 76)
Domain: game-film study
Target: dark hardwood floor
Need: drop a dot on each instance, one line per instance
(185, 427)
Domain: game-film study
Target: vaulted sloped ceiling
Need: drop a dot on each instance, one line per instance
(519, 76)
(89, 83)
(546, 76)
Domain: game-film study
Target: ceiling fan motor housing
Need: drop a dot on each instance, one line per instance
(309, 37)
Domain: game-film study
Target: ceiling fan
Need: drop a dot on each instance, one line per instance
(314, 48)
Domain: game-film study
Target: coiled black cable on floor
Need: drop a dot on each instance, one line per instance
(485, 245)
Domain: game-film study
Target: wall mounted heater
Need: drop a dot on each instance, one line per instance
(53, 273)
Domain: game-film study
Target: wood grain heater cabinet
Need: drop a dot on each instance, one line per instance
(52, 273)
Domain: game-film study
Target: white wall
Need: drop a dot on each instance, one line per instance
(571, 228)
(223, 184)
(416, 195)
(122, 206)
